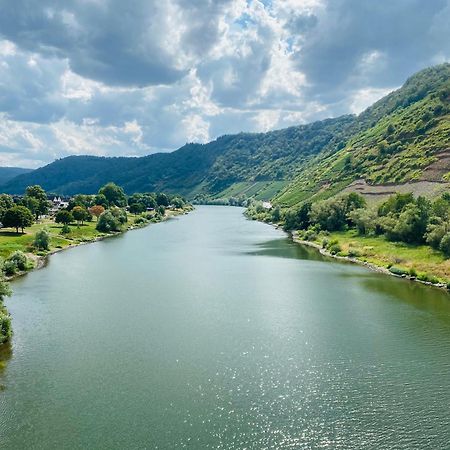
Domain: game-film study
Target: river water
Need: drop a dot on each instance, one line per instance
(212, 331)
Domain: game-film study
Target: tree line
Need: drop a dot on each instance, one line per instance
(401, 218)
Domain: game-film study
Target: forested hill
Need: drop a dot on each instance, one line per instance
(401, 142)
(403, 137)
(259, 159)
(8, 173)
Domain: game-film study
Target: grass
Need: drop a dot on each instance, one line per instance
(422, 259)
(10, 241)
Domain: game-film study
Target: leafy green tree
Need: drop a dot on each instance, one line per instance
(101, 200)
(137, 208)
(114, 195)
(6, 202)
(64, 216)
(436, 231)
(364, 219)
(298, 219)
(80, 214)
(39, 194)
(18, 217)
(445, 245)
(162, 199)
(42, 240)
(179, 203)
(107, 222)
(120, 214)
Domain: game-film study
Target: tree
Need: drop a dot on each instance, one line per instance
(18, 217)
(445, 245)
(298, 219)
(114, 194)
(64, 216)
(107, 222)
(162, 199)
(100, 199)
(19, 259)
(42, 239)
(6, 202)
(137, 208)
(120, 215)
(39, 194)
(80, 214)
(179, 203)
(365, 220)
(96, 210)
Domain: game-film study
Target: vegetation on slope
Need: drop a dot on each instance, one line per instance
(395, 140)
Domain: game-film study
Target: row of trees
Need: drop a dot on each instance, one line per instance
(82, 208)
(402, 217)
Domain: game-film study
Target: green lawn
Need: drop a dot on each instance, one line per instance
(377, 250)
(10, 241)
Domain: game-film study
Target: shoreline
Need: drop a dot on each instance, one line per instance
(370, 266)
(41, 261)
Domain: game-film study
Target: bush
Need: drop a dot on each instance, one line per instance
(325, 243)
(41, 240)
(310, 235)
(19, 259)
(9, 268)
(398, 271)
(334, 249)
(412, 272)
(140, 220)
(354, 253)
(5, 326)
(65, 229)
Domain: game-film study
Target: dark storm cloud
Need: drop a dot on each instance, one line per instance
(124, 43)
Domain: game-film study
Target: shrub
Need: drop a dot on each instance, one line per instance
(412, 272)
(140, 220)
(65, 229)
(398, 271)
(335, 248)
(19, 259)
(310, 235)
(9, 268)
(325, 243)
(5, 326)
(41, 240)
(353, 253)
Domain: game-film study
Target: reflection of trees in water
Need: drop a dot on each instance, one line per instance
(286, 248)
(5, 355)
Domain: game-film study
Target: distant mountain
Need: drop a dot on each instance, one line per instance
(8, 173)
(404, 137)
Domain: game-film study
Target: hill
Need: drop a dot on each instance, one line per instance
(402, 143)
(403, 138)
(8, 173)
(255, 163)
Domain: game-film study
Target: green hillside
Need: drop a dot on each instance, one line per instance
(253, 164)
(404, 137)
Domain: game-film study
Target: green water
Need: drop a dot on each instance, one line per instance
(211, 331)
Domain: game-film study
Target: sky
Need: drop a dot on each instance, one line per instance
(130, 78)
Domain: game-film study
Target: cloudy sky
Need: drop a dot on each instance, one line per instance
(115, 77)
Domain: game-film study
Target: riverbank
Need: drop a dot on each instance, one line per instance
(416, 263)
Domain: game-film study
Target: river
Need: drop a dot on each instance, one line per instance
(212, 331)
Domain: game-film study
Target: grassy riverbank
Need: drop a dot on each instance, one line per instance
(419, 262)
